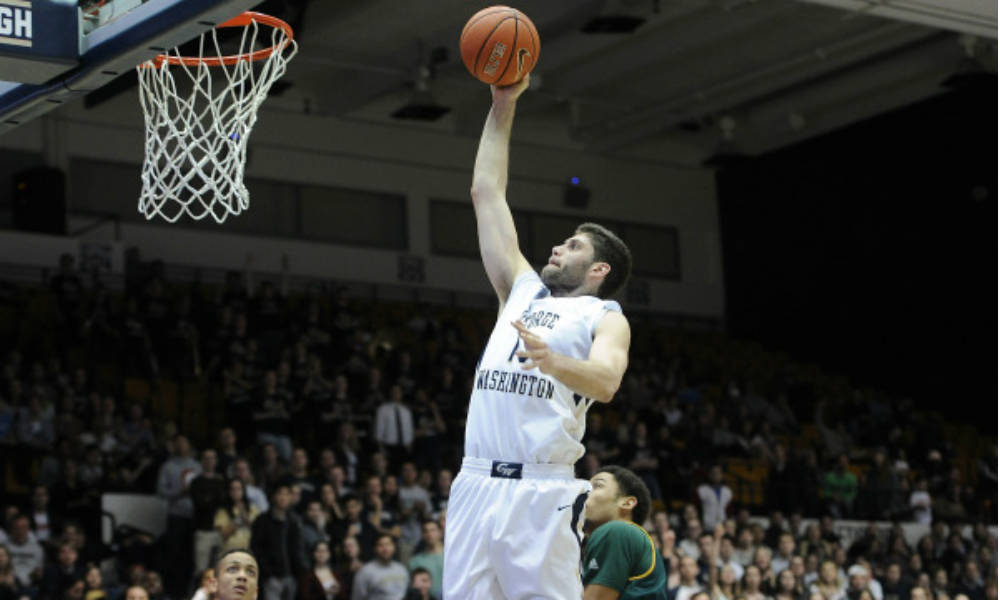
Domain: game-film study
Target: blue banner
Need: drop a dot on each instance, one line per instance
(38, 39)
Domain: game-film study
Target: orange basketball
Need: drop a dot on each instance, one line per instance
(499, 45)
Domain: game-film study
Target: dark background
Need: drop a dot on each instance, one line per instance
(870, 251)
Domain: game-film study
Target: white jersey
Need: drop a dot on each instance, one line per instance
(526, 416)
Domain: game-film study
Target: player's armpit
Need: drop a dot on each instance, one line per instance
(609, 349)
(599, 592)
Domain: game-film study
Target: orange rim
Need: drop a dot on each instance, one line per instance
(241, 20)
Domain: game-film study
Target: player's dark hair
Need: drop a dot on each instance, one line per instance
(418, 571)
(609, 248)
(218, 561)
(629, 484)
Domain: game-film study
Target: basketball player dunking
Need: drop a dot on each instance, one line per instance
(514, 525)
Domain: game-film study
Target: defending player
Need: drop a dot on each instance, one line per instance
(236, 576)
(514, 523)
(620, 559)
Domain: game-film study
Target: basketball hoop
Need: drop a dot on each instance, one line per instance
(199, 111)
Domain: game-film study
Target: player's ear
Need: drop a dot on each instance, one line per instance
(628, 502)
(601, 268)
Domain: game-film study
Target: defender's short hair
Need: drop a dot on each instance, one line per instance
(629, 484)
(609, 248)
(218, 561)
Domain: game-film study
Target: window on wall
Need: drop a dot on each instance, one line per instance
(655, 251)
(354, 217)
(453, 229)
(278, 209)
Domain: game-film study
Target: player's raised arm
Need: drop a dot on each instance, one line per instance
(497, 237)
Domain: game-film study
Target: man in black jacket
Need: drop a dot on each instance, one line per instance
(276, 542)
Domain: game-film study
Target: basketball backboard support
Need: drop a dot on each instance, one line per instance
(127, 34)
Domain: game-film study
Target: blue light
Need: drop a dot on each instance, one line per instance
(574, 180)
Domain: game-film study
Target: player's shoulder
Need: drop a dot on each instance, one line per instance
(619, 530)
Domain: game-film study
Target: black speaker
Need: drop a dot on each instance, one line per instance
(576, 196)
(39, 200)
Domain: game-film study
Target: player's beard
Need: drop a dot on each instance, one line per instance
(563, 280)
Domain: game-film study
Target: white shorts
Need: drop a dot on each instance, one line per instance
(513, 532)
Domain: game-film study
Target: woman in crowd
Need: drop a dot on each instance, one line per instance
(752, 582)
(788, 587)
(320, 582)
(829, 584)
(726, 588)
(207, 586)
(349, 563)
(233, 521)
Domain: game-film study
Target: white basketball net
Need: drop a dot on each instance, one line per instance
(198, 121)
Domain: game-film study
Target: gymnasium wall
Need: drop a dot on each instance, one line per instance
(416, 164)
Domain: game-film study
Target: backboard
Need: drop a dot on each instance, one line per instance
(57, 51)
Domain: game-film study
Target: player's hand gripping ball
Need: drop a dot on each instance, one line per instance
(500, 45)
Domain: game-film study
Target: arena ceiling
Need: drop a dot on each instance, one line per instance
(696, 77)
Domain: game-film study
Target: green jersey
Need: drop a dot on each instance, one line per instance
(620, 555)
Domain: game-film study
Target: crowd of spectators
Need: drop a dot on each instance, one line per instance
(341, 432)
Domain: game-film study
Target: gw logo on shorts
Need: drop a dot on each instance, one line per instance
(15, 22)
(506, 470)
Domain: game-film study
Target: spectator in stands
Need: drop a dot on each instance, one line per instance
(61, 573)
(354, 525)
(35, 427)
(208, 493)
(829, 584)
(208, 585)
(726, 588)
(26, 553)
(255, 496)
(153, 584)
(744, 547)
(840, 488)
(420, 586)
(271, 469)
(349, 562)
(688, 546)
(970, 582)
(272, 416)
(314, 525)
(9, 587)
(788, 587)
(727, 557)
(226, 449)
(234, 519)
(321, 581)
(688, 584)
(94, 580)
(330, 502)
(348, 452)
(383, 577)
(276, 541)
(298, 474)
(172, 485)
(431, 556)
(894, 587)
(429, 431)
(920, 503)
(414, 506)
(394, 426)
(786, 550)
(439, 500)
(753, 584)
